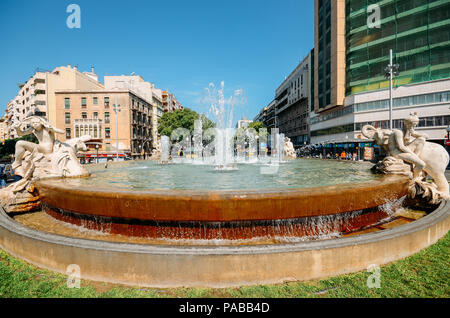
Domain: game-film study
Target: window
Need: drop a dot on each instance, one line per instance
(107, 118)
(106, 101)
(84, 115)
(67, 121)
(95, 115)
(83, 102)
(66, 103)
(107, 133)
(95, 100)
(68, 135)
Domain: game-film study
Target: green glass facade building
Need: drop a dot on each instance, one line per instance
(418, 32)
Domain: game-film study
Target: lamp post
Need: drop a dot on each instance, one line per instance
(96, 147)
(391, 71)
(116, 108)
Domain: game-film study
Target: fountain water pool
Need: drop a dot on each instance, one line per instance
(182, 175)
(304, 199)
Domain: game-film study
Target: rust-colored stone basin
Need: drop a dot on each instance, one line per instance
(222, 214)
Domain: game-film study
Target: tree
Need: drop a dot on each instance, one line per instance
(181, 119)
(8, 147)
(257, 125)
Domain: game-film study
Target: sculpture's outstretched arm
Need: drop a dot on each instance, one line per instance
(21, 132)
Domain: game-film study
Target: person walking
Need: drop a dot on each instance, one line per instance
(2, 176)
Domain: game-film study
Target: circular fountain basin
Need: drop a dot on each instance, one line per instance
(220, 266)
(160, 235)
(195, 202)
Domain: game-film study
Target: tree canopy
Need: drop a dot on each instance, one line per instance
(181, 119)
(257, 125)
(8, 147)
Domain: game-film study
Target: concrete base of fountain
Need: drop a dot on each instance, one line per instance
(220, 266)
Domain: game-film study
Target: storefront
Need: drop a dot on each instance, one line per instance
(102, 157)
(354, 150)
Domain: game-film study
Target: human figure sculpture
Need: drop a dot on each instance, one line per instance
(288, 149)
(48, 158)
(411, 147)
(45, 135)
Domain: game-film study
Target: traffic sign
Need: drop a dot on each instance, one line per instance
(447, 142)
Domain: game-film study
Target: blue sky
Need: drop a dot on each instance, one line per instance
(179, 45)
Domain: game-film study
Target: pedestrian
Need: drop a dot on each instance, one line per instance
(2, 176)
(16, 177)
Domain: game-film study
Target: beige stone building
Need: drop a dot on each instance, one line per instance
(37, 95)
(79, 104)
(88, 112)
(146, 90)
(4, 129)
(169, 102)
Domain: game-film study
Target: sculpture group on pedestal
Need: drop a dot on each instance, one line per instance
(47, 159)
(408, 153)
(288, 150)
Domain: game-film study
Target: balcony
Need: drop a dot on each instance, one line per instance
(39, 87)
(91, 121)
(40, 108)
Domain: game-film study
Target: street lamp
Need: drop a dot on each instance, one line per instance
(96, 147)
(391, 71)
(116, 108)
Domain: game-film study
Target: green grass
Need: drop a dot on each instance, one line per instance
(425, 274)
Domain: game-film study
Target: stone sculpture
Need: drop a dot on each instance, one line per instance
(408, 153)
(288, 150)
(156, 152)
(47, 159)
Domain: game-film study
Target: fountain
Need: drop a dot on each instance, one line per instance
(165, 149)
(259, 219)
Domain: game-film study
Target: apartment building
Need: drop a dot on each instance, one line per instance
(243, 123)
(37, 95)
(351, 56)
(267, 116)
(77, 103)
(4, 129)
(146, 90)
(169, 102)
(157, 113)
(293, 103)
(89, 112)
